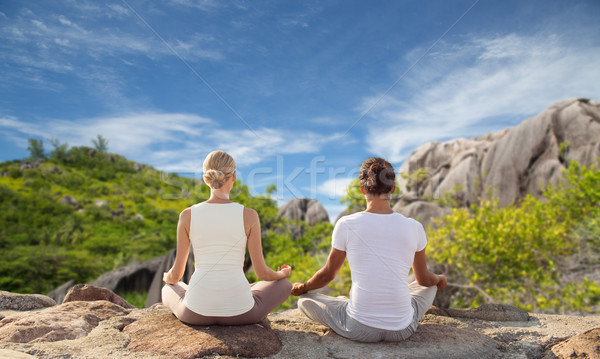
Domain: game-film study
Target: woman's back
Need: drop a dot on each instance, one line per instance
(218, 286)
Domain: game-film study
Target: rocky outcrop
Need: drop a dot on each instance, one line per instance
(585, 345)
(86, 292)
(304, 209)
(133, 278)
(101, 329)
(509, 164)
(139, 277)
(164, 264)
(64, 322)
(489, 312)
(166, 335)
(22, 302)
(424, 212)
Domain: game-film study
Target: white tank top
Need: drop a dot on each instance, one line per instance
(218, 286)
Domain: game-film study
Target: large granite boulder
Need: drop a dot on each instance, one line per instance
(166, 335)
(101, 329)
(491, 312)
(22, 302)
(304, 209)
(90, 293)
(66, 321)
(508, 165)
(139, 277)
(132, 278)
(585, 345)
(422, 211)
(163, 265)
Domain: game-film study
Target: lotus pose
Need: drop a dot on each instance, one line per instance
(381, 246)
(218, 230)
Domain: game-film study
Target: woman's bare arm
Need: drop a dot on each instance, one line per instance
(424, 276)
(324, 275)
(183, 248)
(252, 226)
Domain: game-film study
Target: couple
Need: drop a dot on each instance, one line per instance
(381, 247)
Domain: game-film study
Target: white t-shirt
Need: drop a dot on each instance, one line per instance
(218, 286)
(380, 249)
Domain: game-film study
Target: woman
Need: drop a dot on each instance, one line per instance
(218, 230)
(381, 246)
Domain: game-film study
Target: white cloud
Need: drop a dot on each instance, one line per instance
(204, 5)
(335, 187)
(467, 89)
(172, 141)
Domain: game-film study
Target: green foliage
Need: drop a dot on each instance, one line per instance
(60, 150)
(516, 254)
(353, 198)
(45, 242)
(35, 148)
(136, 298)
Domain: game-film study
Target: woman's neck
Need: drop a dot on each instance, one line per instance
(378, 204)
(218, 196)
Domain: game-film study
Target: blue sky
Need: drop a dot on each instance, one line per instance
(299, 92)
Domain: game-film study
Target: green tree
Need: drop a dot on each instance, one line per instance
(100, 143)
(60, 149)
(36, 148)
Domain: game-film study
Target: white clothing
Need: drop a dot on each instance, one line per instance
(218, 286)
(380, 249)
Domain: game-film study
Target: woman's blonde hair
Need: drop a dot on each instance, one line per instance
(218, 167)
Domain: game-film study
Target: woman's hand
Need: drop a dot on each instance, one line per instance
(298, 289)
(166, 278)
(285, 269)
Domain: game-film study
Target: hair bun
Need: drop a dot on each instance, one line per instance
(375, 167)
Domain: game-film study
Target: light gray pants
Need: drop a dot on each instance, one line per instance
(331, 311)
(268, 295)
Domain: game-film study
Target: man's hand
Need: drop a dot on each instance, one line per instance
(298, 289)
(443, 282)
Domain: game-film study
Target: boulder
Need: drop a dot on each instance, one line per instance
(163, 264)
(22, 302)
(429, 341)
(424, 212)
(166, 335)
(66, 321)
(509, 164)
(132, 278)
(101, 329)
(59, 293)
(86, 292)
(492, 312)
(585, 345)
(304, 209)
(70, 200)
(12, 354)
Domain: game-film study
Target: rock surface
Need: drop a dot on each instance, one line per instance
(166, 335)
(585, 345)
(489, 312)
(511, 163)
(15, 301)
(86, 292)
(304, 209)
(102, 329)
(66, 321)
